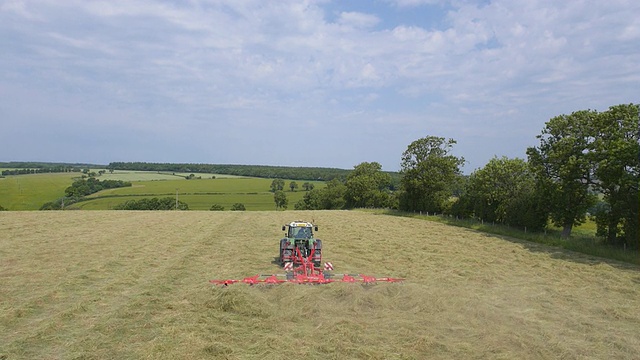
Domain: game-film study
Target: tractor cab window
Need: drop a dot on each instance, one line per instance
(301, 232)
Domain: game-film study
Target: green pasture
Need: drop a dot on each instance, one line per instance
(260, 201)
(183, 186)
(29, 192)
(199, 194)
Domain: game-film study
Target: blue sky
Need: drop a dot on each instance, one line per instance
(303, 83)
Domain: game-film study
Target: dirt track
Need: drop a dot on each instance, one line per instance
(99, 284)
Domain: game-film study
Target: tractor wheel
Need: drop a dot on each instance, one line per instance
(282, 246)
(318, 252)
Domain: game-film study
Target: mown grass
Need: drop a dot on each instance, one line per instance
(583, 237)
(132, 285)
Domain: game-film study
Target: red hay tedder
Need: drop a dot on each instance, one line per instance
(300, 255)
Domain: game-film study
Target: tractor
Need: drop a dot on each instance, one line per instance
(299, 244)
(301, 256)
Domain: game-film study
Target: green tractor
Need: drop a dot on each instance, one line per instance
(300, 242)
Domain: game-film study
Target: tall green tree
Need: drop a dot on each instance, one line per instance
(564, 167)
(277, 184)
(293, 185)
(428, 173)
(367, 186)
(616, 152)
(504, 191)
(330, 197)
(280, 198)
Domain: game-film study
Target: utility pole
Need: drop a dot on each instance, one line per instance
(177, 198)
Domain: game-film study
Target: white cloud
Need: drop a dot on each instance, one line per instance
(358, 20)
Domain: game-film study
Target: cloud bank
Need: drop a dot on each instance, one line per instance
(303, 83)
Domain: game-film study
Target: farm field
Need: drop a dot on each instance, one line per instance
(30, 192)
(130, 285)
(200, 194)
(130, 175)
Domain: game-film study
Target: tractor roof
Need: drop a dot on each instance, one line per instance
(300, 224)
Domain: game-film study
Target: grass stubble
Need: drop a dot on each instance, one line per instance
(134, 285)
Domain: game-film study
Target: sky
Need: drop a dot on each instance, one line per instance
(303, 83)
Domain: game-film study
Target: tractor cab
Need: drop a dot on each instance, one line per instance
(299, 231)
(299, 235)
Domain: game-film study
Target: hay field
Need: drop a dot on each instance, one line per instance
(133, 285)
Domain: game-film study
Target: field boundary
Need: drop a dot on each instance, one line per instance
(584, 244)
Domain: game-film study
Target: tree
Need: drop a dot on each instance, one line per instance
(616, 151)
(327, 198)
(277, 184)
(166, 203)
(216, 207)
(2, 208)
(564, 168)
(367, 186)
(504, 191)
(428, 172)
(293, 185)
(280, 198)
(238, 207)
(307, 186)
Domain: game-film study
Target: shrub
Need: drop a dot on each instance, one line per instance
(166, 203)
(238, 207)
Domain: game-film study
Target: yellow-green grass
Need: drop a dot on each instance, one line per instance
(134, 285)
(29, 192)
(251, 201)
(199, 194)
(582, 239)
(238, 185)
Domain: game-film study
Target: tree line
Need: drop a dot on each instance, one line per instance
(43, 170)
(587, 164)
(262, 171)
(31, 167)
